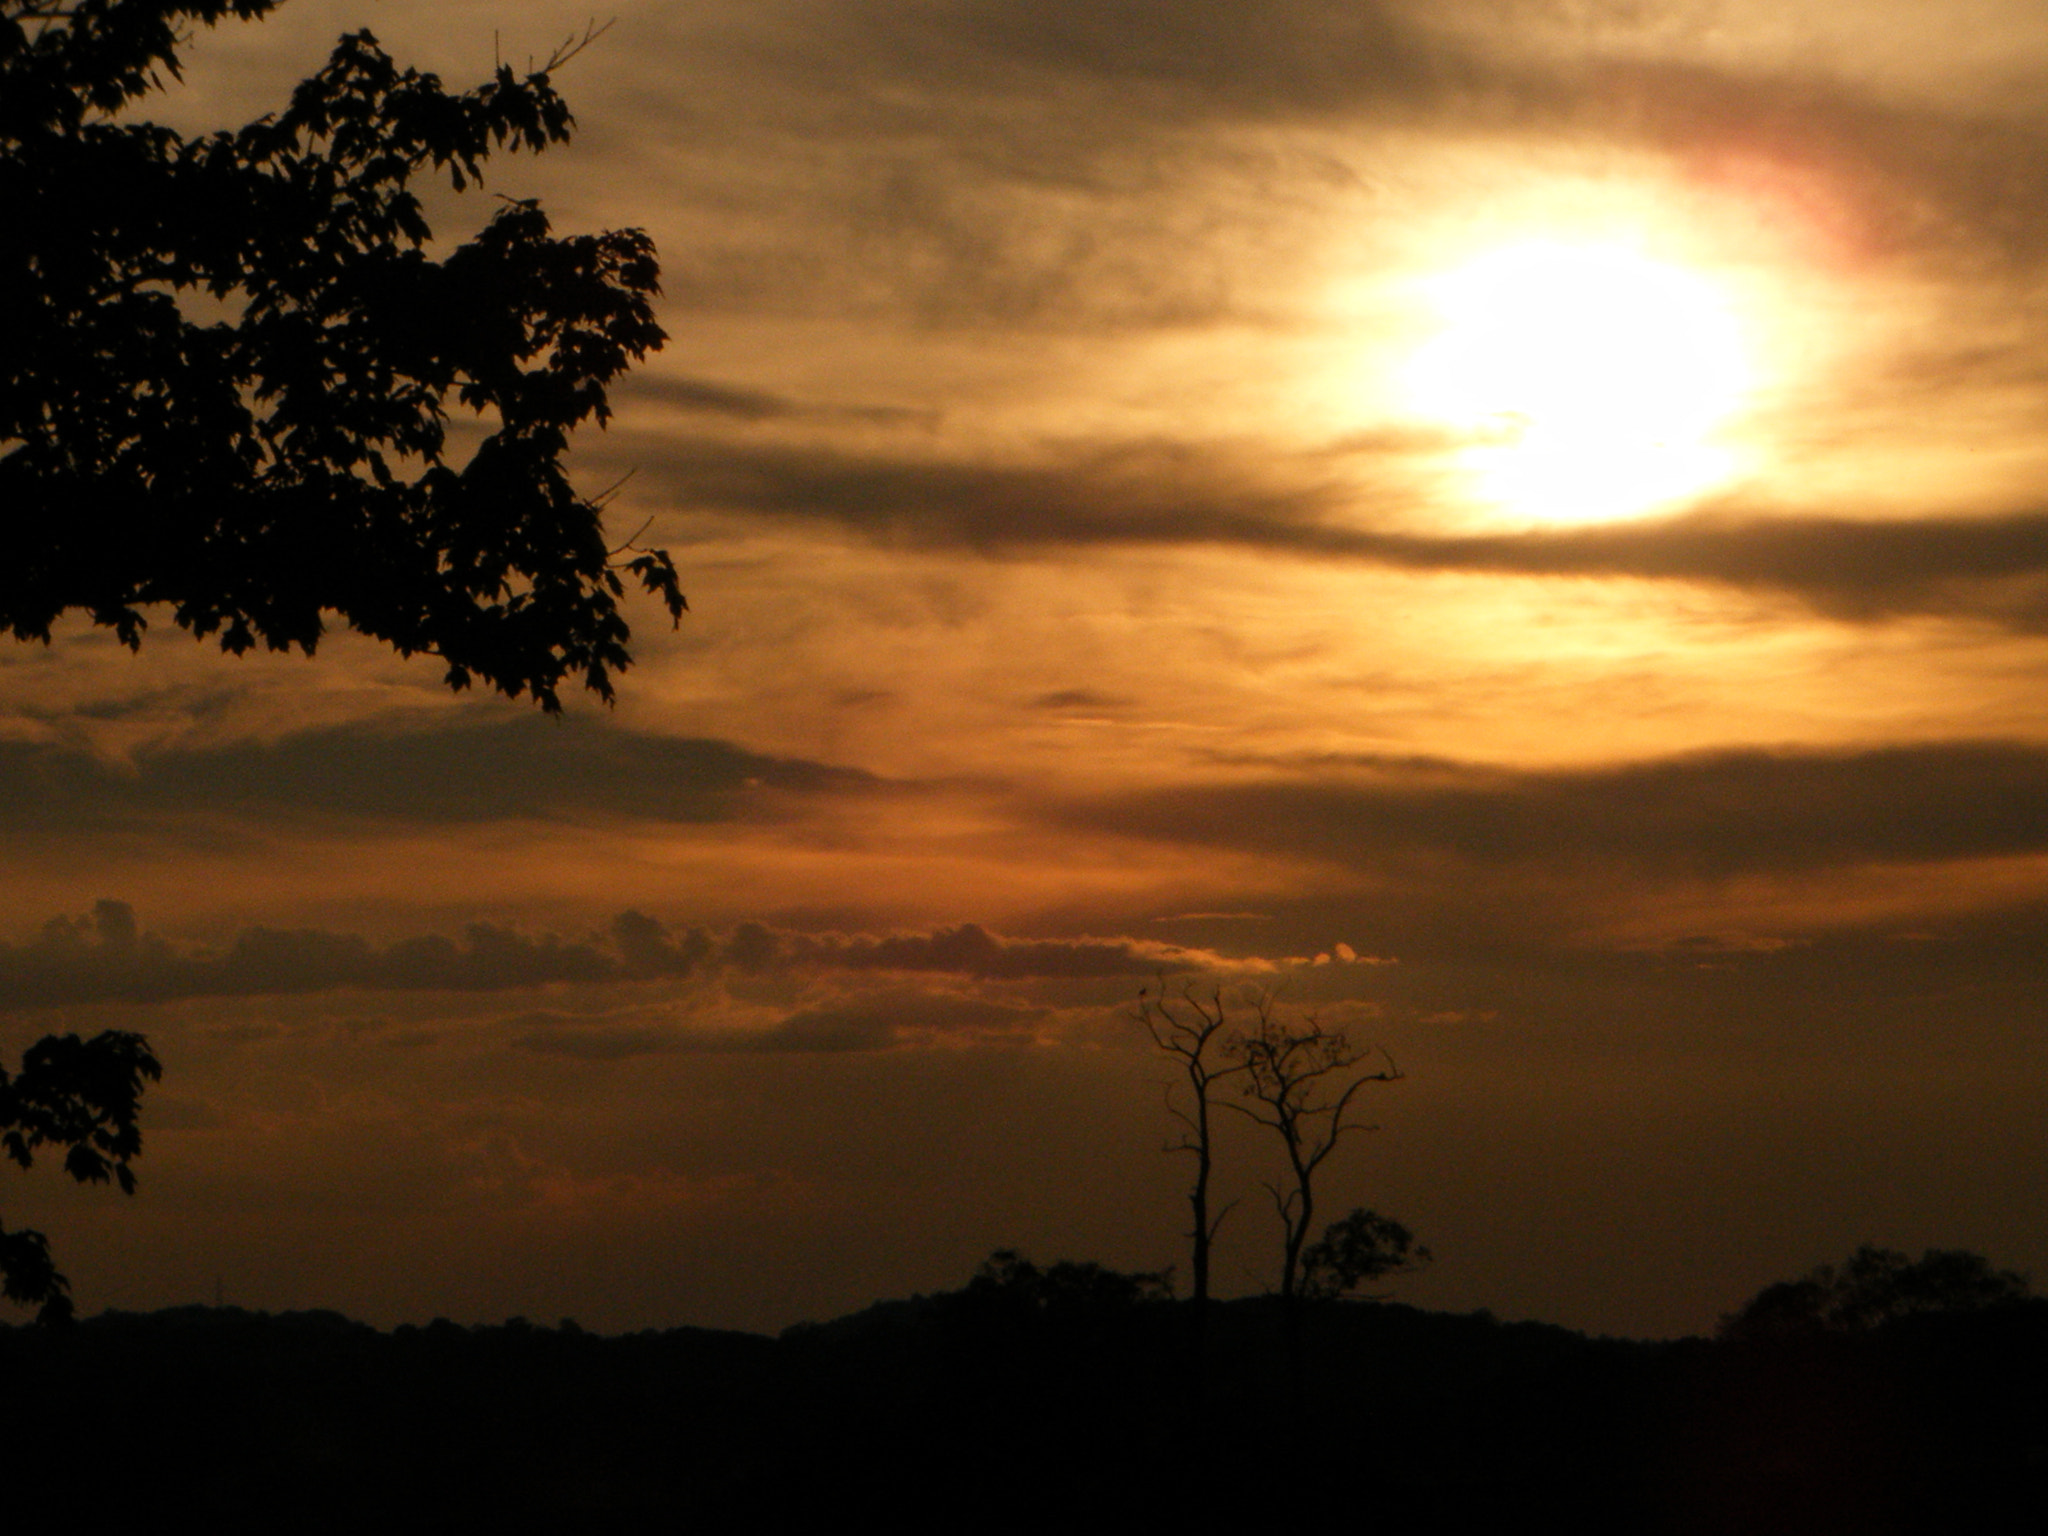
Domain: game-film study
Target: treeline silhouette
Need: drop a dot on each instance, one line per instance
(1035, 1398)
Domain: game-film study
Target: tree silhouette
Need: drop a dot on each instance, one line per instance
(1008, 1283)
(227, 366)
(229, 362)
(1876, 1286)
(1299, 1083)
(82, 1095)
(1189, 1030)
(1362, 1247)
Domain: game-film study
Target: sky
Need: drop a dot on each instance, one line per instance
(1509, 527)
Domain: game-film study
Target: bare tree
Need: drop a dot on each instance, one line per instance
(1189, 1028)
(1300, 1082)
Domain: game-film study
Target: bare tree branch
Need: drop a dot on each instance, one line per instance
(1189, 1028)
(571, 46)
(1300, 1083)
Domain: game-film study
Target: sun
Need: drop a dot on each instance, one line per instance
(1588, 382)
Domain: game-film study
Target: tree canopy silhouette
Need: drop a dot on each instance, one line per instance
(82, 1095)
(229, 361)
(1876, 1286)
(1363, 1247)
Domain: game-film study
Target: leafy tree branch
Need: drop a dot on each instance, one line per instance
(258, 473)
(84, 1096)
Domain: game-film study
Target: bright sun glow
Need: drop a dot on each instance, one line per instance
(1591, 379)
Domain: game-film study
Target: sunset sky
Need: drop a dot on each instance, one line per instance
(1513, 526)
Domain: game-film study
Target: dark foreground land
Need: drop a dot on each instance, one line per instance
(977, 1411)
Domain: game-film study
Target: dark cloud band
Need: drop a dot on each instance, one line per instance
(1993, 568)
(460, 771)
(106, 956)
(1711, 815)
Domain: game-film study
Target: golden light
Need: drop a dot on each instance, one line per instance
(1590, 381)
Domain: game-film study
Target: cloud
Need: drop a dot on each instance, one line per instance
(966, 950)
(703, 396)
(832, 1029)
(1708, 815)
(1438, 840)
(181, 1112)
(979, 198)
(105, 956)
(1155, 493)
(1991, 568)
(876, 1023)
(857, 1023)
(971, 950)
(1884, 176)
(1240, 57)
(1078, 698)
(646, 948)
(1897, 174)
(469, 770)
(600, 1042)
(833, 154)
